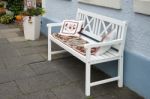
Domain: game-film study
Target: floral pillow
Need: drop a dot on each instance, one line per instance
(71, 27)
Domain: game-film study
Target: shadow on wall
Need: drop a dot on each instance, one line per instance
(44, 29)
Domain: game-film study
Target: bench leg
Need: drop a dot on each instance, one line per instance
(120, 72)
(49, 50)
(88, 79)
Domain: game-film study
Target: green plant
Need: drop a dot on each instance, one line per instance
(33, 12)
(6, 19)
(15, 6)
(1, 5)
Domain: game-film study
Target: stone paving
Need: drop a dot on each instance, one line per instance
(25, 72)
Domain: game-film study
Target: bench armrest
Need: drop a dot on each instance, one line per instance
(113, 42)
(50, 25)
(53, 24)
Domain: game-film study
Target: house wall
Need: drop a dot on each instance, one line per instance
(137, 48)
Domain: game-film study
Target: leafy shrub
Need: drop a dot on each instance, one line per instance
(33, 12)
(6, 19)
(16, 6)
(1, 5)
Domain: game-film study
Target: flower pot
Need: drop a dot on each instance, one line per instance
(32, 27)
(2, 11)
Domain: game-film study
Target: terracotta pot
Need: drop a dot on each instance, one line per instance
(2, 10)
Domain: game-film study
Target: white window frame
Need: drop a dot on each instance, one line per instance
(116, 4)
(142, 6)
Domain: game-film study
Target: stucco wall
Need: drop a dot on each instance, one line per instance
(137, 49)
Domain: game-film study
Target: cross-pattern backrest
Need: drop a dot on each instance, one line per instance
(95, 25)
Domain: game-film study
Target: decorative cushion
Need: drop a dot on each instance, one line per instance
(108, 37)
(71, 27)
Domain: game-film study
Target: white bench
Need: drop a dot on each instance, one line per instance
(94, 25)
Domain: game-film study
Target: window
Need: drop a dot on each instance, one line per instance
(116, 4)
(142, 6)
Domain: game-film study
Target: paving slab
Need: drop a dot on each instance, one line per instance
(7, 50)
(7, 29)
(38, 95)
(16, 74)
(20, 61)
(9, 35)
(30, 85)
(54, 80)
(3, 41)
(32, 50)
(16, 39)
(9, 90)
(42, 42)
(56, 56)
(69, 92)
(2, 65)
(21, 44)
(44, 67)
(42, 82)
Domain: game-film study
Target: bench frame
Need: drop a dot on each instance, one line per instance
(118, 44)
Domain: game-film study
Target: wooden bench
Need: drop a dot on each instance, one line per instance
(94, 25)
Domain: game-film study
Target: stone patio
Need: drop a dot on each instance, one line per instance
(25, 72)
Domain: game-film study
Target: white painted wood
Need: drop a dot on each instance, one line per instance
(58, 52)
(32, 27)
(96, 24)
(120, 72)
(106, 3)
(104, 81)
(88, 79)
(49, 45)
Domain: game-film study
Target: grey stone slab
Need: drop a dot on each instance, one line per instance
(15, 74)
(16, 62)
(69, 92)
(7, 50)
(43, 67)
(125, 93)
(19, 45)
(3, 40)
(10, 35)
(38, 95)
(56, 56)
(4, 76)
(20, 73)
(32, 50)
(55, 47)
(2, 65)
(42, 42)
(42, 82)
(30, 85)
(16, 39)
(6, 30)
(54, 80)
(109, 96)
(8, 90)
(72, 68)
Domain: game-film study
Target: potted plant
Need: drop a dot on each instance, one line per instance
(32, 23)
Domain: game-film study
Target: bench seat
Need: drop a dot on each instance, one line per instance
(111, 54)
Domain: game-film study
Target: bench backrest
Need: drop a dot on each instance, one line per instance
(95, 25)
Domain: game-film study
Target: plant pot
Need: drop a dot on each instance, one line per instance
(32, 26)
(2, 11)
